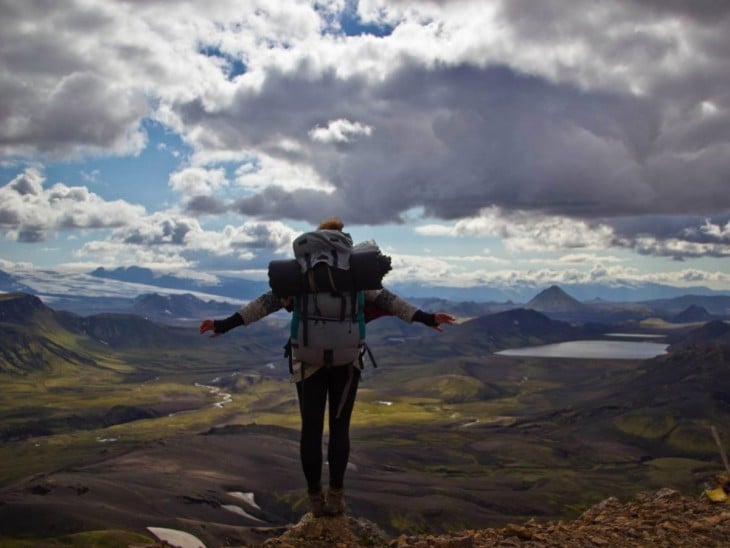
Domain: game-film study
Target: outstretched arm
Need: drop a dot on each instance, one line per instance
(262, 306)
(434, 319)
(218, 327)
(387, 302)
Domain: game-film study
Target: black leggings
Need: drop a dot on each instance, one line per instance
(336, 382)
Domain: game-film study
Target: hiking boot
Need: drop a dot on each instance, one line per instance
(317, 503)
(335, 505)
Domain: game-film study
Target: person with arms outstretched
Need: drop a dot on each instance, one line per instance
(326, 366)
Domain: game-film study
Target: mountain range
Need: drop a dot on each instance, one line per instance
(34, 337)
(30, 330)
(132, 281)
(233, 288)
(171, 303)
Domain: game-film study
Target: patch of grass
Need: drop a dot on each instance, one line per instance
(89, 539)
(401, 411)
(408, 522)
(449, 388)
(645, 426)
(681, 472)
(51, 453)
(692, 437)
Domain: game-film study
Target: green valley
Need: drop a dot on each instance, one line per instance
(114, 423)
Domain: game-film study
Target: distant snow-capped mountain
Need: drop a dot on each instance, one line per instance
(236, 288)
(130, 282)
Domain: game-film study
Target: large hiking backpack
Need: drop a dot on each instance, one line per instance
(327, 278)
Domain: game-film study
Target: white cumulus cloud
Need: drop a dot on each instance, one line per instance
(198, 181)
(339, 131)
(30, 212)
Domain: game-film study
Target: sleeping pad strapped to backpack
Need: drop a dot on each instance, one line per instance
(327, 278)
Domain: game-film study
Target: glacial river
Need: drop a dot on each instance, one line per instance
(598, 349)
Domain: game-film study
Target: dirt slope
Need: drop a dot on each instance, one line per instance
(664, 518)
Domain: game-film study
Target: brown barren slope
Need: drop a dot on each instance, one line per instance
(664, 518)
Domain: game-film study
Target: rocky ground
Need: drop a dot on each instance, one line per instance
(664, 518)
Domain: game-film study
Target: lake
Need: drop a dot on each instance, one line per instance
(635, 335)
(617, 350)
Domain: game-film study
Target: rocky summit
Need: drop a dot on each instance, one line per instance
(664, 518)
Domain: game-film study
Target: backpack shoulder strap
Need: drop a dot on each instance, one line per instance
(361, 313)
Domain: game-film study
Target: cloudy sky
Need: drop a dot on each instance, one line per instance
(478, 142)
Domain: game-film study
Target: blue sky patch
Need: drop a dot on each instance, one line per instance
(141, 179)
(233, 66)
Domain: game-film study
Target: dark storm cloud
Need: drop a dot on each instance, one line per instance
(31, 235)
(688, 227)
(206, 205)
(309, 205)
(452, 140)
(708, 11)
(75, 114)
(58, 92)
(679, 237)
(288, 105)
(161, 232)
(262, 236)
(9, 218)
(713, 229)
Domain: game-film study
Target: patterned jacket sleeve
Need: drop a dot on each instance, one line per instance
(392, 303)
(260, 307)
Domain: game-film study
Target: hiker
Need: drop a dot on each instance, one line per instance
(337, 378)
